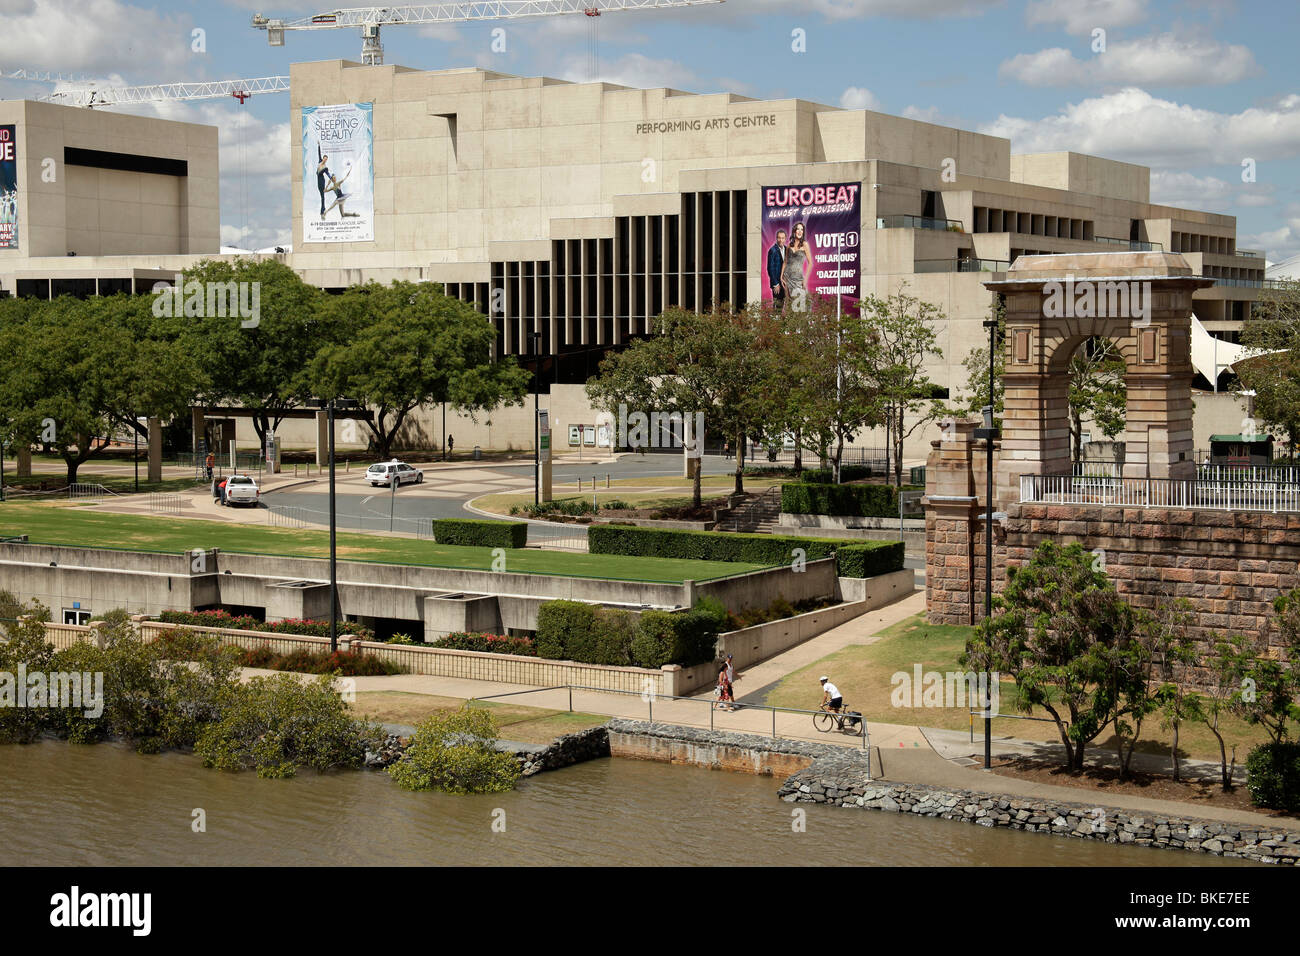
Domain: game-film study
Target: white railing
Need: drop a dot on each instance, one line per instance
(89, 491)
(1285, 474)
(1098, 468)
(1212, 495)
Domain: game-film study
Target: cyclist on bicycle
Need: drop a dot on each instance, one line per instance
(832, 700)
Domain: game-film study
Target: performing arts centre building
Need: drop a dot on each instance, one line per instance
(579, 211)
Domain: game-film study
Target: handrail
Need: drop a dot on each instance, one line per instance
(650, 697)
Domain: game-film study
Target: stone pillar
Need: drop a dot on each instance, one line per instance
(24, 451)
(155, 449)
(951, 507)
(322, 438)
(1158, 440)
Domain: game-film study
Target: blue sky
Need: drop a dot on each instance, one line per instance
(1192, 88)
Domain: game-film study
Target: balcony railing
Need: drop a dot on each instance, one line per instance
(960, 265)
(1203, 494)
(918, 222)
(1246, 283)
(1135, 245)
(1250, 253)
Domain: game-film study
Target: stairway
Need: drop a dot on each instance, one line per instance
(759, 514)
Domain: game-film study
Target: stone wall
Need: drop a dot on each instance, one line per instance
(590, 744)
(1083, 821)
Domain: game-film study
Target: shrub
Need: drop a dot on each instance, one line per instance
(858, 559)
(401, 639)
(488, 643)
(278, 725)
(826, 476)
(569, 630)
(343, 663)
(246, 622)
(1273, 776)
(480, 534)
(859, 501)
(455, 751)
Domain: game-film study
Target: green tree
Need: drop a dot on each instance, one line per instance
(720, 364)
(976, 391)
(73, 371)
(409, 345)
(278, 725)
(1221, 694)
(1097, 390)
(827, 365)
(258, 363)
(1063, 633)
(1273, 374)
(1165, 652)
(905, 342)
(456, 751)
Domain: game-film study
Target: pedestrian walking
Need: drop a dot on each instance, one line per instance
(723, 692)
(730, 670)
(451, 444)
(208, 463)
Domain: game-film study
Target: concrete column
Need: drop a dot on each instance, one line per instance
(322, 438)
(155, 449)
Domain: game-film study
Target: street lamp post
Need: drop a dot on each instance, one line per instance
(330, 405)
(535, 338)
(989, 433)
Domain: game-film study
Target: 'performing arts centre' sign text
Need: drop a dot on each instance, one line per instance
(706, 123)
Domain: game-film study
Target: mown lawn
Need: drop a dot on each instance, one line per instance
(68, 523)
(865, 676)
(532, 725)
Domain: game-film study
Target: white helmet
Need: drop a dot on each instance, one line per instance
(823, 678)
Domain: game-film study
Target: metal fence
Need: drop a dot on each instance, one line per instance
(295, 516)
(649, 700)
(164, 504)
(562, 542)
(89, 492)
(1211, 495)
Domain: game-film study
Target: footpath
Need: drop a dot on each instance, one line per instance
(901, 753)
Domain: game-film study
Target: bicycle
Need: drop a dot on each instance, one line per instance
(825, 719)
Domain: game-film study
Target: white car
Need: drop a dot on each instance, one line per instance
(242, 490)
(385, 473)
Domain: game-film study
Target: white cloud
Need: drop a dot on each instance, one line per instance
(1162, 60)
(1131, 124)
(1081, 17)
(638, 70)
(859, 98)
(860, 9)
(93, 36)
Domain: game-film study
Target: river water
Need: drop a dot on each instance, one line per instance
(68, 805)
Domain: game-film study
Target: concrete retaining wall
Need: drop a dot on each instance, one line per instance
(720, 749)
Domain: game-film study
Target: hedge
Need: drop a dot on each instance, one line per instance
(1273, 776)
(573, 631)
(826, 476)
(860, 559)
(858, 501)
(246, 622)
(480, 534)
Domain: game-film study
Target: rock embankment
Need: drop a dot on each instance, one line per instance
(819, 784)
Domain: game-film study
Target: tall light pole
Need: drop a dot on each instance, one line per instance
(535, 338)
(989, 433)
(330, 405)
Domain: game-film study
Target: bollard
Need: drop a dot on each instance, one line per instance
(606, 479)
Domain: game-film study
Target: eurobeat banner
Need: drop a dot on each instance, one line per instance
(810, 241)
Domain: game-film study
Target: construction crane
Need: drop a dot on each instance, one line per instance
(40, 76)
(89, 95)
(370, 19)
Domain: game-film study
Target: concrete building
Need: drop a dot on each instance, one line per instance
(578, 211)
